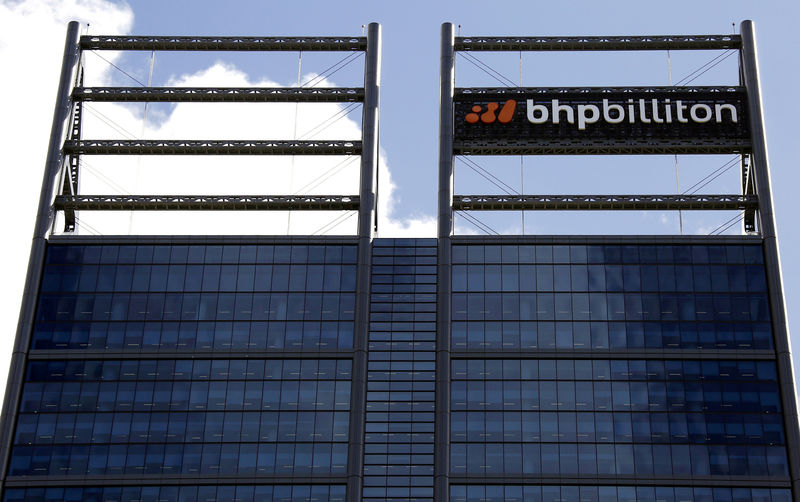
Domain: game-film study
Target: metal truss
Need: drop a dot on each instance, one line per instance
(71, 165)
(748, 188)
(158, 43)
(599, 43)
(603, 202)
(219, 94)
(206, 202)
(68, 199)
(473, 91)
(216, 147)
(71, 176)
(599, 147)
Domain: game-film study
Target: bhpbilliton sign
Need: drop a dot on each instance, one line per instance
(601, 120)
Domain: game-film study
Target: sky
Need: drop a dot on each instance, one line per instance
(31, 44)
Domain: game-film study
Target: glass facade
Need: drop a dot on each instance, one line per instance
(188, 361)
(183, 416)
(229, 493)
(197, 298)
(540, 297)
(578, 373)
(637, 417)
(690, 394)
(398, 450)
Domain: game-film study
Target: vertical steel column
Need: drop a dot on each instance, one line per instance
(766, 222)
(442, 431)
(366, 217)
(44, 219)
(369, 132)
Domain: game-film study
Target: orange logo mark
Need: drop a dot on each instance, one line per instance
(489, 116)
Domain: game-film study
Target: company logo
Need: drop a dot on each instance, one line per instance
(490, 115)
(646, 111)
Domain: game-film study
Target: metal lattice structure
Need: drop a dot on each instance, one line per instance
(599, 43)
(602, 202)
(206, 202)
(510, 91)
(159, 43)
(205, 147)
(220, 94)
(69, 200)
(599, 147)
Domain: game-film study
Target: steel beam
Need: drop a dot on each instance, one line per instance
(166, 43)
(367, 222)
(211, 147)
(70, 175)
(766, 222)
(473, 91)
(197, 239)
(44, 220)
(748, 188)
(221, 94)
(600, 147)
(447, 81)
(206, 202)
(71, 181)
(603, 202)
(599, 43)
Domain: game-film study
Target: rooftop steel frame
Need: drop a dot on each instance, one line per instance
(449, 146)
(74, 146)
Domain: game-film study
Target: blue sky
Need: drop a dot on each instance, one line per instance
(409, 107)
(409, 95)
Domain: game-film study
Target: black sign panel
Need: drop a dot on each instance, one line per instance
(600, 120)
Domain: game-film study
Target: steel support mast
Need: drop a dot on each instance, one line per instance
(366, 227)
(769, 236)
(441, 487)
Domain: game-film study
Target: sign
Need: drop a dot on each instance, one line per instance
(598, 120)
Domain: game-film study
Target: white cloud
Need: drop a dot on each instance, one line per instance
(417, 226)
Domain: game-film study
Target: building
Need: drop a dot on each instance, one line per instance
(464, 368)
